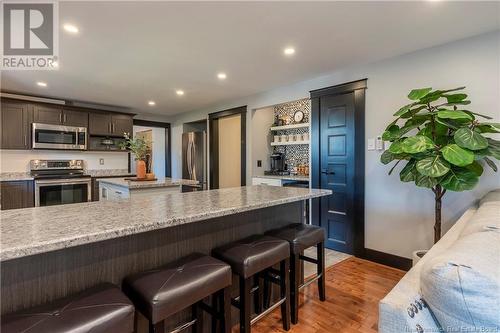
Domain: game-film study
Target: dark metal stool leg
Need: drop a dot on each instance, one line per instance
(266, 293)
(259, 294)
(216, 299)
(285, 293)
(294, 287)
(198, 315)
(157, 328)
(321, 270)
(245, 308)
(226, 310)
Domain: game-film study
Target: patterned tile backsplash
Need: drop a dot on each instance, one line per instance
(297, 154)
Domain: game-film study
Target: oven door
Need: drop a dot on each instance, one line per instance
(49, 192)
(46, 136)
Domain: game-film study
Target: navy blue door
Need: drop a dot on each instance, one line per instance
(337, 169)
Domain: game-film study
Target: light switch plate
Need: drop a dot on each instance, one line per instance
(380, 143)
(371, 144)
(101, 161)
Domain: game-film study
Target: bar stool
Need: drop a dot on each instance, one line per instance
(250, 259)
(163, 292)
(300, 237)
(101, 309)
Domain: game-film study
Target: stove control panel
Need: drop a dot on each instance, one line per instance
(56, 164)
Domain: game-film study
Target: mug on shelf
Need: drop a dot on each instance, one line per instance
(291, 137)
(305, 137)
(277, 138)
(284, 138)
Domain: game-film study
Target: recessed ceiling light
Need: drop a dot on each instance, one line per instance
(180, 92)
(71, 28)
(289, 51)
(152, 103)
(41, 84)
(222, 76)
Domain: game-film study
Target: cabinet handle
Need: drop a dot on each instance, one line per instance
(64, 118)
(109, 127)
(60, 117)
(25, 140)
(113, 127)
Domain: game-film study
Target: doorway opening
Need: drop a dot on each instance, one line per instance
(228, 148)
(157, 135)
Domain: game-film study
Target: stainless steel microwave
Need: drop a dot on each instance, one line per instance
(46, 136)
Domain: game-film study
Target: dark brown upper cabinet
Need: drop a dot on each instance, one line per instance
(58, 115)
(107, 124)
(121, 123)
(75, 118)
(16, 120)
(47, 114)
(17, 194)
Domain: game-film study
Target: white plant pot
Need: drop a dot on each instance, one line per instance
(417, 255)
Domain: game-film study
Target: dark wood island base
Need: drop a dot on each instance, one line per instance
(37, 279)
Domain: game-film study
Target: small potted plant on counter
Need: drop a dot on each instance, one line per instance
(139, 148)
(443, 146)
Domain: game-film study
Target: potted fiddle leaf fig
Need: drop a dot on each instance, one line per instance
(443, 146)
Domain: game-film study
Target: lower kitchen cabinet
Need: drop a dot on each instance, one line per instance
(17, 194)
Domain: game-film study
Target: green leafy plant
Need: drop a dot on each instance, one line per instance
(137, 146)
(443, 145)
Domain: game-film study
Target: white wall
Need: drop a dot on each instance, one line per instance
(18, 160)
(262, 120)
(398, 216)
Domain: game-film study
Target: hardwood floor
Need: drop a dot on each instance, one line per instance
(353, 289)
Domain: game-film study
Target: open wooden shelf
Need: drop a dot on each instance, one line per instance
(286, 127)
(292, 143)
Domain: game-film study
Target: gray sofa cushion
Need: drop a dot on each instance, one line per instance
(462, 285)
(487, 217)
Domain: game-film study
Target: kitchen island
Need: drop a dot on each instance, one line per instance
(121, 188)
(50, 252)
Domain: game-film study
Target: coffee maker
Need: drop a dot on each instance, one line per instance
(278, 166)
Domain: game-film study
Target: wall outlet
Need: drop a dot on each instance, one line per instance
(259, 164)
(101, 161)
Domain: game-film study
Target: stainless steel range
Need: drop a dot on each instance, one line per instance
(59, 182)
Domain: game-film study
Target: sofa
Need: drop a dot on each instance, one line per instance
(455, 287)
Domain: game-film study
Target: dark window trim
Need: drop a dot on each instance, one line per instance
(214, 144)
(168, 141)
(340, 89)
(358, 87)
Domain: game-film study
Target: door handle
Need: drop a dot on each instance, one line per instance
(327, 172)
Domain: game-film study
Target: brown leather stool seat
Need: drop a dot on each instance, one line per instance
(300, 236)
(103, 308)
(163, 292)
(253, 254)
(251, 259)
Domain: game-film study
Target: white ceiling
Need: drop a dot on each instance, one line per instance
(130, 52)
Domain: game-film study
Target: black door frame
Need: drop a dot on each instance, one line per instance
(168, 141)
(358, 88)
(214, 144)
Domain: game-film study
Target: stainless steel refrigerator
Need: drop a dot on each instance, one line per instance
(194, 157)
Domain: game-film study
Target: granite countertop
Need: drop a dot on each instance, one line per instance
(36, 230)
(13, 176)
(136, 185)
(285, 177)
(108, 173)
